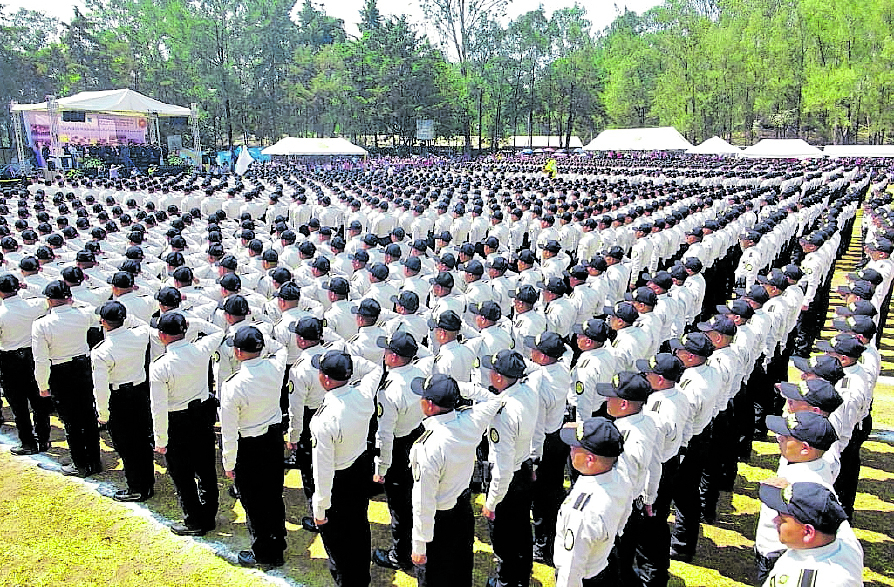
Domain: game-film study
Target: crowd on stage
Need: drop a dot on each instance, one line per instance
(464, 333)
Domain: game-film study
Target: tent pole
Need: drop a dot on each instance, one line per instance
(53, 112)
(24, 165)
(196, 139)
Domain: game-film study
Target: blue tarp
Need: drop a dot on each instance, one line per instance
(227, 157)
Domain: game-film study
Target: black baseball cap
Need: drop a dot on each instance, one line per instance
(738, 307)
(401, 343)
(626, 385)
(172, 323)
(236, 306)
(720, 324)
(444, 279)
(824, 366)
(308, 328)
(695, 342)
(230, 282)
(441, 390)
(857, 324)
(9, 283)
(183, 274)
(597, 435)
(507, 363)
(337, 285)
(170, 297)
(448, 320)
(488, 310)
(407, 299)
(228, 262)
(665, 364)
(548, 343)
(623, 310)
(555, 285)
(857, 308)
(412, 263)
(643, 295)
(288, 291)
(112, 311)
(816, 392)
(249, 339)
(336, 365)
(525, 293)
(842, 344)
(121, 279)
(864, 289)
(810, 427)
(368, 307)
(474, 267)
(594, 328)
(807, 502)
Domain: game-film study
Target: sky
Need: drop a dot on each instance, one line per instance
(600, 12)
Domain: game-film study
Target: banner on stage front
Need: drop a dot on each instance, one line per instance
(97, 129)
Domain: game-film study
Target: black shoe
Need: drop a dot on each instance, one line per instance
(309, 525)
(290, 462)
(389, 560)
(708, 518)
(233, 492)
(181, 529)
(71, 471)
(126, 495)
(679, 556)
(543, 556)
(43, 446)
(23, 450)
(247, 558)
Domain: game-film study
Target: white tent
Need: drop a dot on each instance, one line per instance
(782, 149)
(322, 146)
(543, 141)
(859, 150)
(715, 146)
(111, 102)
(665, 138)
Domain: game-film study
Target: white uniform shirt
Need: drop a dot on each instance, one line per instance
(120, 358)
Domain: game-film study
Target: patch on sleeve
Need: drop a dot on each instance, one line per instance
(494, 435)
(568, 542)
(379, 409)
(579, 388)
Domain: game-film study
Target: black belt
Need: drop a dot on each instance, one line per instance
(77, 358)
(125, 386)
(17, 352)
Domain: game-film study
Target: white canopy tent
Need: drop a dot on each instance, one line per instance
(782, 149)
(320, 146)
(665, 138)
(715, 146)
(111, 102)
(858, 150)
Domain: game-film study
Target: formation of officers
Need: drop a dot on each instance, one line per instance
(440, 333)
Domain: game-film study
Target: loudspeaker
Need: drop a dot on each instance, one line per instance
(74, 116)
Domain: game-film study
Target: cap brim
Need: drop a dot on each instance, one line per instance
(772, 497)
(789, 390)
(778, 425)
(568, 434)
(675, 344)
(824, 346)
(316, 360)
(724, 310)
(704, 326)
(530, 342)
(643, 366)
(802, 364)
(417, 385)
(487, 361)
(606, 390)
(842, 325)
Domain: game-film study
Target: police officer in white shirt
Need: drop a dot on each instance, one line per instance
(183, 415)
(338, 439)
(399, 425)
(813, 525)
(251, 440)
(17, 368)
(339, 318)
(121, 387)
(441, 462)
(591, 516)
(453, 358)
(62, 369)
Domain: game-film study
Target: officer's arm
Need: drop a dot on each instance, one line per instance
(41, 351)
(158, 394)
(102, 366)
(503, 435)
(426, 475)
(387, 413)
(229, 424)
(298, 388)
(572, 549)
(208, 344)
(323, 458)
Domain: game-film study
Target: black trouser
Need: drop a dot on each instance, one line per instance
(764, 564)
(449, 554)
(259, 481)
(346, 535)
(761, 394)
(743, 412)
(549, 493)
(510, 530)
(284, 398)
(687, 500)
(20, 388)
(303, 455)
(399, 495)
(849, 474)
(608, 577)
(71, 384)
(652, 558)
(625, 545)
(723, 446)
(191, 456)
(130, 424)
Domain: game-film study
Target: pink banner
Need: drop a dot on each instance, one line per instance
(97, 129)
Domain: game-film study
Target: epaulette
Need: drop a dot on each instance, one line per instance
(423, 437)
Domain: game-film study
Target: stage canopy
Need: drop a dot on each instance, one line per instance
(665, 138)
(782, 149)
(858, 150)
(322, 146)
(715, 146)
(123, 102)
(543, 142)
